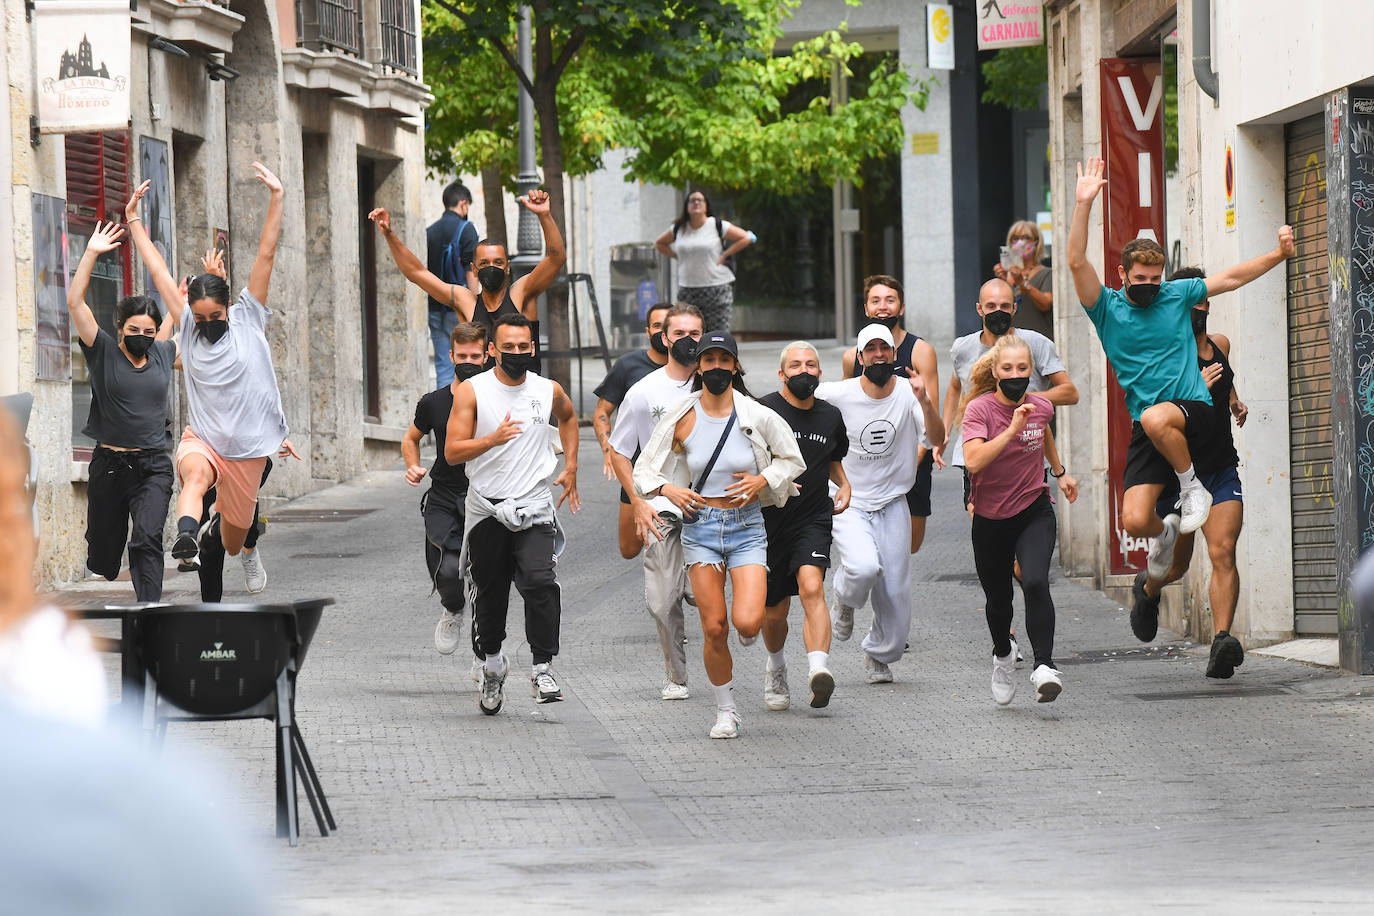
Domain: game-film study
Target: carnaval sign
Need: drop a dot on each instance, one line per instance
(81, 52)
(1010, 24)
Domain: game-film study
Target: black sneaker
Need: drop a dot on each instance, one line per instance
(1227, 656)
(1144, 612)
(186, 551)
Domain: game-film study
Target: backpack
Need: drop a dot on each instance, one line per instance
(451, 269)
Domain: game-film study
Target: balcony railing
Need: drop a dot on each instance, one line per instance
(398, 36)
(331, 25)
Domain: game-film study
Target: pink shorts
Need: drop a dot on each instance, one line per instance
(236, 482)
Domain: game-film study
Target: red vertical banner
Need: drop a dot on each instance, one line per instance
(1132, 207)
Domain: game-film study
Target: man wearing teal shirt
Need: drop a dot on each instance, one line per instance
(1146, 331)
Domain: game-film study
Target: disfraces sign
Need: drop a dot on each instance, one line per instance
(81, 53)
(1010, 24)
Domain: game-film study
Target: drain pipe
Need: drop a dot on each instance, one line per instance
(1202, 49)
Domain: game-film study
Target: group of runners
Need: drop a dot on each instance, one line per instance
(716, 484)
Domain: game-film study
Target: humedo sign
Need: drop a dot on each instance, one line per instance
(1010, 24)
(81, 53)
(1133, 207)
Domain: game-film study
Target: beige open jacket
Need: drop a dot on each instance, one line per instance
(775, 451)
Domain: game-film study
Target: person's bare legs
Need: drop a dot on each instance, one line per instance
(1221, 530)
(232, 536)
(630, 542)
(1138, 510)
(1183, 559)
(918, 532)
(775, 625)
(749, 585)
(1164, 424)
(708, 584)
(197, 476)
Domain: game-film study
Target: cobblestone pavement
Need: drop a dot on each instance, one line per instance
(1145, 786)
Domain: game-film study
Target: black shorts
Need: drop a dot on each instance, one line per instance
(793, 544)
(918, 497)
(1144, 463)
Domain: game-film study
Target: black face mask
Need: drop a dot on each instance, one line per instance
(658, 343)
(138, 345)
(890, 322)
(879, 373)
(517, 364)
(465, 371)
(1199, 319)
(213, 330)
(491, 277)
(802, 385)
(1142, 294)
(997, 322)
(717, 381)
(684, 350)
(1014, 388)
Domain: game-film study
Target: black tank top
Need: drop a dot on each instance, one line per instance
(483, 316)
(903, 359)
(1219, 452)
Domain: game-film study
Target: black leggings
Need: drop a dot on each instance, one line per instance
(1029, 537)
(128, 487)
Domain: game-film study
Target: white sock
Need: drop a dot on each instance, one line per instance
(776, 660)
(818, 660)
(1187, 478)
(496, 664)
(725, 695)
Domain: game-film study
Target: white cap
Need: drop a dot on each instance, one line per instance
(874, 332)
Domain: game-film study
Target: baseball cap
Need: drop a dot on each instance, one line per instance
(873, 332)
(718, 340)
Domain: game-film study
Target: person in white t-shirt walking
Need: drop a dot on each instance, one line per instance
(884, 417)
(658, 523)
(703, 243)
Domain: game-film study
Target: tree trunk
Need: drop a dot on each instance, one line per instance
(494, 204)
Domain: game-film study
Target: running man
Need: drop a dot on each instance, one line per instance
(1149, 341)
(1217, 467)
(626, 372)
(492, 264)
(657, 524)
(799, 532)
(442, 505)
(885, 421)
(499, 429)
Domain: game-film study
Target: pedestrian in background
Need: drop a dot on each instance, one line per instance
(703, 244)
(1032, 283)
(452, 226)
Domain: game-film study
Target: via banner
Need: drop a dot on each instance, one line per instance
(81, 52)
(1010, 24)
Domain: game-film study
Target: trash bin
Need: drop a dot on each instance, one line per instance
(639, 278)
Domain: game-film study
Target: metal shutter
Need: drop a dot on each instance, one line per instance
(1309, 383)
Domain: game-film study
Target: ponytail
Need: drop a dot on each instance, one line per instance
(981, 378)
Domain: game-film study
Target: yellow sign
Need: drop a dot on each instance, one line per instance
(939, 24)
(1230, 185)
(925, 144)
(939, 36)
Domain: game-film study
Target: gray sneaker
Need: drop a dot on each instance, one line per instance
(476, 671)
(878, 672)
(254, 575)
(842, 621)
(493, 690)
(448, 632)
(775, 693)
(543, 687)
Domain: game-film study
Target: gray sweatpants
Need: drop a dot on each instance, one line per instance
(665, 584)
(875, 562)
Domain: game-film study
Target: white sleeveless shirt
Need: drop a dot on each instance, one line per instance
(528, 460)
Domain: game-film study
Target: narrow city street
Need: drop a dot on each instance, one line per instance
(1145, 784)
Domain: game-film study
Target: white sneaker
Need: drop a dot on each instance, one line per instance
(1047, 684)
(842, 621)
(493, 689)
(1161, 556)
(448, 631)
(776, 696)
(476, 671)
(1003, 677)
(822, 686)
(254, 576)
(1194, 505)
(543, 687)
(727, 724)
(673, 691)
(878, 672)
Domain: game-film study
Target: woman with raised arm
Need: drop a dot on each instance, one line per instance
(237, 419)
(130, 472)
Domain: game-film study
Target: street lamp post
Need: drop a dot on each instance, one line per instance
(529, 240)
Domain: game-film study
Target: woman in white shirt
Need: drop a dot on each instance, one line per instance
(699, 239)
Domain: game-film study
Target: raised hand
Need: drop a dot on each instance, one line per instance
(382, 219)
(1090, 180)
(1019, 416)
(1287, 247)
(131, 208)
(536, 201)
(105, 237)
(212, 262)
(266, 177)
(507, 431)
(918, 385)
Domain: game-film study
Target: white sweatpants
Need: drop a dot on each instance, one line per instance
(875, 562)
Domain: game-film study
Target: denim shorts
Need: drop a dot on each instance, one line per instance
(726, 537)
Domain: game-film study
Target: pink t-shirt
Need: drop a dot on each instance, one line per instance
(1016, 478)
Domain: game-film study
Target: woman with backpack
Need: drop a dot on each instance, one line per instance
(705, 246)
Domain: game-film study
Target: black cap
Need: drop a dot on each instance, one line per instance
(717, 340)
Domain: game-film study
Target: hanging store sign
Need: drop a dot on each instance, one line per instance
(939, 36)
(1010, 24)
(81, 52)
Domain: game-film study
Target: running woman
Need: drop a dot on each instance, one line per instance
(718, 456)
(885, 419)
(799, 532)
(1145, 331)
(626, 372)
(884, 304)
(1217, 467)
(492, 264)
(442, 505)
(130, 471)
(657, 525)
(1007, 440)
(237, 419)
(499, 429)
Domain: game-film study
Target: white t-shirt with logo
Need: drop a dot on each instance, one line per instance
(884, 434)
(697, 252)
(645, 403)
(519, 466)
